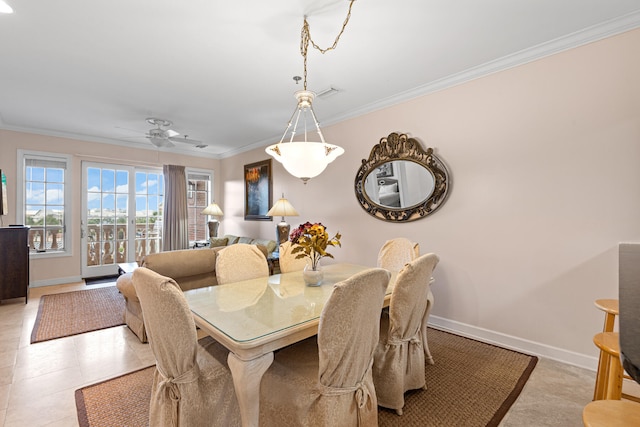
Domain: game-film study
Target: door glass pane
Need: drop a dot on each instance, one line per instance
(107, 223)
(149, 201)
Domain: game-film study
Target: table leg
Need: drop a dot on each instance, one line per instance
(247, 375)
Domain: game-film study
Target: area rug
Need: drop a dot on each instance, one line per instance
(72, 313)
(471, 384)
(120, 401)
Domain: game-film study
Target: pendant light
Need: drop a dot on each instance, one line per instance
(306, 158)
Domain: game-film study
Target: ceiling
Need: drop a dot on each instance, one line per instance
(222, 71)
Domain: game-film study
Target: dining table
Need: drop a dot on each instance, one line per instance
(253, 318)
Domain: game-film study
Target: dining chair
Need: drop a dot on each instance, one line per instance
(240, 261)
(288, 261)
(192, 384)
(393, 255)
(326, 380)
(399, 359)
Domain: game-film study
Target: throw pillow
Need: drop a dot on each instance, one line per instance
(232, 239)
(218, 241)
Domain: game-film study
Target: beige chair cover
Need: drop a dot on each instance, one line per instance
(288, 261)
(240, 262)
(328, 382)
(399, 362)
(393, 255)
(192, 384)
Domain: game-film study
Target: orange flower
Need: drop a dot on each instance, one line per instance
(312, 241)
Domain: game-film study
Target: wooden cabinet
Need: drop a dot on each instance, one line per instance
(14, 262)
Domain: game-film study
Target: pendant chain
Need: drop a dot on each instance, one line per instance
(306, 39)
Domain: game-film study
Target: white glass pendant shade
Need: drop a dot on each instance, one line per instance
(5, 8)
(304, 159)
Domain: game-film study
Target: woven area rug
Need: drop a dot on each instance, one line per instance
(72, 313)
(471, 384)
(120, 401)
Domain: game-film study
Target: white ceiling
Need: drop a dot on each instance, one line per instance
(222, 71)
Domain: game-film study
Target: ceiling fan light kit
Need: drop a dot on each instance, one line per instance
(306, 159)
(166, 137)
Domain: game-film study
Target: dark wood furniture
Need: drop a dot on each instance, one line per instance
(14, 262)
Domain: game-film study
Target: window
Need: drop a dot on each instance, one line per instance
(45, 198)
(198, 198)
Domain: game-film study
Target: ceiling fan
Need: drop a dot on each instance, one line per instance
(160, 136)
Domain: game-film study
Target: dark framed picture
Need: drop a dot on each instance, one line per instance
(384, 170)
(257, 191)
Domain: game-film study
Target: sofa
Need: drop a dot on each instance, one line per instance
(190, 268)
(230, 239)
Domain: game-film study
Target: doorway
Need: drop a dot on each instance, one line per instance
(121, 216)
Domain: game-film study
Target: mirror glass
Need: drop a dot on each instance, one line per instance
(400, 181)
(399, 184)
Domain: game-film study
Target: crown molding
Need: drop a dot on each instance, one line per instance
(579, 38)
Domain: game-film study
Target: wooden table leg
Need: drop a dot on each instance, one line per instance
(247, 375)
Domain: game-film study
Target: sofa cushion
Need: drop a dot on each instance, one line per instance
(231, 239)
(181, 263)
(218, 241)
(269, 244)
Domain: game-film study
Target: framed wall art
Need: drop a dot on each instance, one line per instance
(257, 190)
(385, 170)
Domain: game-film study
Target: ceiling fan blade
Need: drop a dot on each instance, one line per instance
(186, 140)
(171, 133)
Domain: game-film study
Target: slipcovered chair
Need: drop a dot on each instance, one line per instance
(192, 384)
(240, 262)
(393, 255)
(326, 381)
(288, 261)
(399, 360)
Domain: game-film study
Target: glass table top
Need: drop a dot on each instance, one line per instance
(252, 309)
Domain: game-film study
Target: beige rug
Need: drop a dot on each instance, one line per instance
(72, 313)
(471, 384)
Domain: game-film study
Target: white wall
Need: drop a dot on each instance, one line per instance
(545, 164)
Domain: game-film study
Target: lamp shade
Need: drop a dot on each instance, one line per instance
(282, 208)
(213, 209)
(305, 159)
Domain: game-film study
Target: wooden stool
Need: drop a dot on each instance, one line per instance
(605, 413)
(611, 310)
(609, 375)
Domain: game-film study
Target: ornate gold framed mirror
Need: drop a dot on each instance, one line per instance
(400, 181)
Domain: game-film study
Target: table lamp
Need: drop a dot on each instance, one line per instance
(282, 208)
(214, 211)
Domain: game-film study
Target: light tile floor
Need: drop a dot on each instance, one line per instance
(38, 381)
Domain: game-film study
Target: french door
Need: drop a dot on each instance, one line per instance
(121, 216)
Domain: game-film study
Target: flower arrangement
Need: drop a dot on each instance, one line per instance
(312, 241)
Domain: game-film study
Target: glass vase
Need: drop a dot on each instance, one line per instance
(312, 277)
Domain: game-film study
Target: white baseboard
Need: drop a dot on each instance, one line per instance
(515, 343)
(56, 281)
